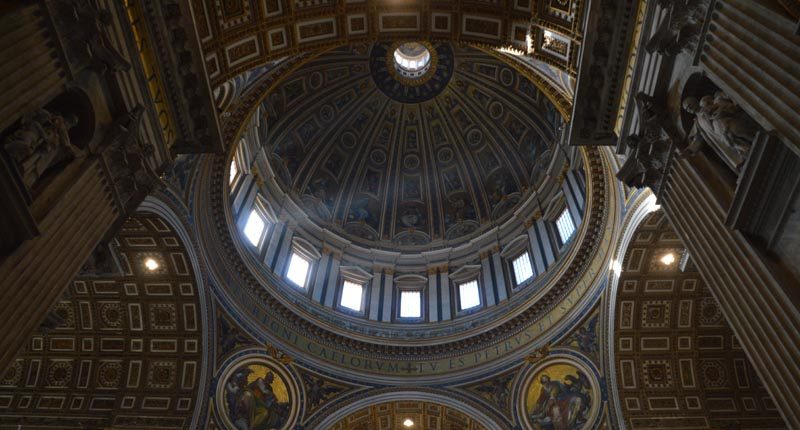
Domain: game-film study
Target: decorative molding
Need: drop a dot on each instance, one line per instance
(181, 64)
(601, 75)
(570, 274)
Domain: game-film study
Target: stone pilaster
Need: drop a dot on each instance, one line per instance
(752, 52)
(31, 73)
(763, 312)
(35, 274)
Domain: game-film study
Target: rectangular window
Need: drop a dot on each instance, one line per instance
(410, 304)
(254, 227)
(469, 295)
(566, 227)
(522, 268)
(234, 172)
(298, 270)
(352, 295)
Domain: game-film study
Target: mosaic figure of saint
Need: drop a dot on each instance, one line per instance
(562, 405)
(254, 406)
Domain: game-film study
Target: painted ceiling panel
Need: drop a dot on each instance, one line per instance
(385, 162)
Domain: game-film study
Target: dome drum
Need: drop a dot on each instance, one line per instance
(307, 277)
(374, 215)
(283, 313)
(509, 220)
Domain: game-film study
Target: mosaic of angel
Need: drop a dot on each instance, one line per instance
(559, 399)
(256, 399)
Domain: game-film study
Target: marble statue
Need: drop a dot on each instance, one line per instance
(648, 151)
(127, 155)
(720, 123)
(40, 143)
(646, 161)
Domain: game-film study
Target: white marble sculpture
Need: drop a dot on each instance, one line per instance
(41, 142)
(720, 123)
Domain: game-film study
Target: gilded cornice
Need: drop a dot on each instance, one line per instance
(562, 103)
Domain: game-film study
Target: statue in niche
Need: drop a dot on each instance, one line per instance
(723, 125)
(40, 143)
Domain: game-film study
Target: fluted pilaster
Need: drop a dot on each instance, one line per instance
(760, 310)
(36, 273)
(753, 53)
(30, 73)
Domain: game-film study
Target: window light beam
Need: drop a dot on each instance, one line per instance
(254, 227)
(298, 270)
(566, 226)
(352, 295)
(410, 304)
(469, 295)
(523, 270)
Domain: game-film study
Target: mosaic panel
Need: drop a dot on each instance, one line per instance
(444, 159)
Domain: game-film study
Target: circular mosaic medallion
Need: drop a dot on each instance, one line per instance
(474, 137)
(710, 313)
(713, 373)
(411, 162)
(496, 110)
(378, 156)
(348, 139)
(255, 392)
(445, 155)
(560, 393)
(315, 80)
(66, 313)
(506, 77)
(326, 113)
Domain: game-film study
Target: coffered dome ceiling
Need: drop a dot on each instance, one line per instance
(386, 161)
